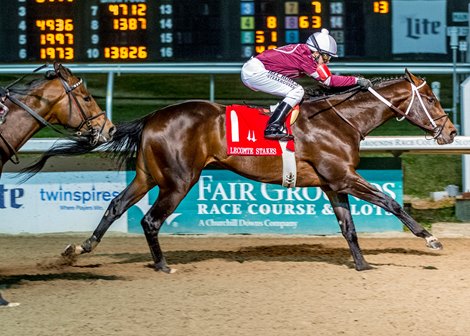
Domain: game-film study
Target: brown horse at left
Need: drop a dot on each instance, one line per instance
(60, 98)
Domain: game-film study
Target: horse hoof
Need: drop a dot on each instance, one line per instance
(10, 305)
(165, 269)
(72, 250)
(434, 244)
(5, 304)
(364, 267)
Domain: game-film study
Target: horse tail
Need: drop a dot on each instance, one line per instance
(126, 141)
(122, 147)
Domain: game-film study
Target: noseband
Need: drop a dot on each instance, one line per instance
(434, 128)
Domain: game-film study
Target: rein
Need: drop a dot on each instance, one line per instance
(34, 114)
(433, 128)
(346, 120)
(73, 101)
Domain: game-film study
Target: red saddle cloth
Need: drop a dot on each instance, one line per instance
(245, 132)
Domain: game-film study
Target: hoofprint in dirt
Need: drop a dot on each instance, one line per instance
(241, 285)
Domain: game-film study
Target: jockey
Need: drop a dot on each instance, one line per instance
(272, 72)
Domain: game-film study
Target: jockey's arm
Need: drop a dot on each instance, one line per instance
(323, 74)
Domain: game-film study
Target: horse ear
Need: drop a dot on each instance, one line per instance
(57, 67)
(411, 78)
(62, 71)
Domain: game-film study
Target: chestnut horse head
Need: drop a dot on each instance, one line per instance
(173, 145)
(78, 110)
(421, 108)
(59, 99)
(406, 98)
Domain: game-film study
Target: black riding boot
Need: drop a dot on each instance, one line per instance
(275, 129)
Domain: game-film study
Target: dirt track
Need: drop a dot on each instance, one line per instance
(236, 286)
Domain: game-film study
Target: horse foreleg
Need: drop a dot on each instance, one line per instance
(128, 197)
(341, 208)
(365, 191)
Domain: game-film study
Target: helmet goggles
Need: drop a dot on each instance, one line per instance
(325, 57)
(324, 44)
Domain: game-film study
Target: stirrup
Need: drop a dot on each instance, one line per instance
(277, 134)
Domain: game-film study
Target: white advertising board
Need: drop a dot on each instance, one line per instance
(58, 202)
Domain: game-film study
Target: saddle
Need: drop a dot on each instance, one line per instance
(244, 135)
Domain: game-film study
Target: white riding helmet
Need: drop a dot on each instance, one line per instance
(323, 42)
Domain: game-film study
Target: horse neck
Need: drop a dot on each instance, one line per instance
(371, 112)
(19, 127)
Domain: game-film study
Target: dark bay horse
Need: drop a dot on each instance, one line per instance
(174, 144)
(58, 98)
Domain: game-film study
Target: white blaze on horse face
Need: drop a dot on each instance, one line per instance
(235, 129)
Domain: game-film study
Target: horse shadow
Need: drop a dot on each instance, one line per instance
(7, 281)
(312, 253)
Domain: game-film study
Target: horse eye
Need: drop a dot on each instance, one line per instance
(431, 100)
(87, 98)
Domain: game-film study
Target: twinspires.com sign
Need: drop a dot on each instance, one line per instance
(58, 202)
(222, 202)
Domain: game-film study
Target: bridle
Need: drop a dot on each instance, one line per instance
(86, 120)
(94, 133)
(433, 128)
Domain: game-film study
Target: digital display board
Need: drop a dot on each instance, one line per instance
(85, 31)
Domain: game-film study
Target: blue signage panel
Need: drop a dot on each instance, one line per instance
(224, 202)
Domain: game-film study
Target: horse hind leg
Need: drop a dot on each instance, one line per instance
(120, 204)
(341, 208)
(166, 203)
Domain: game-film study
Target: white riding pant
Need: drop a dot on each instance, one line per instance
(255, 76)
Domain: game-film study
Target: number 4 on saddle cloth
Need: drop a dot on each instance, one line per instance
(245, 136)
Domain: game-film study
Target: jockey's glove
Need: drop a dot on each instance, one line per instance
(364, 83)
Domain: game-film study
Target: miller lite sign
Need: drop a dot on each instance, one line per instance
(419, 26)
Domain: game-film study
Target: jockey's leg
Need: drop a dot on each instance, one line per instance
(255, 76)
(275, 128)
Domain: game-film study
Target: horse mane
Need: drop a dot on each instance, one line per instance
(121, 148)
(24, 89)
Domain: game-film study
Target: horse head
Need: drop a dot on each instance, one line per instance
(425, 111)
(77, 109)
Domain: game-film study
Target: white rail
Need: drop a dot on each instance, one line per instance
(213, 69)
(234, 68)
(387, 144)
